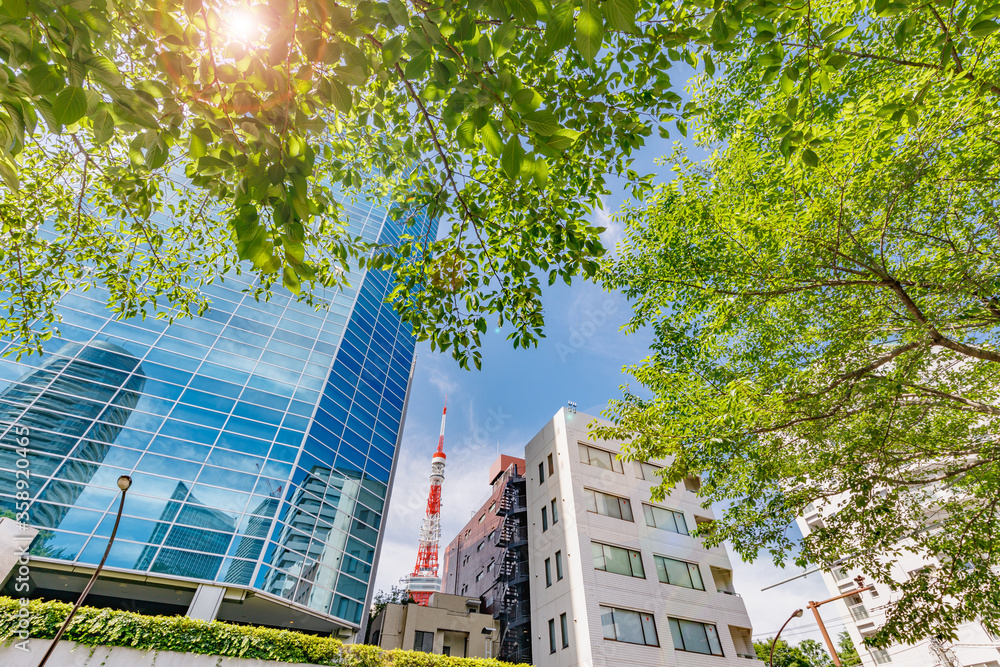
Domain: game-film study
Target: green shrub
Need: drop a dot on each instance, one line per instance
(111, 627)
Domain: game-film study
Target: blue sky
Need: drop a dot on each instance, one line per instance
(501, 407)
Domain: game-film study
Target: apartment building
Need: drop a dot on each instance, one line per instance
(864, 613)
(612, 577)
(489, 560)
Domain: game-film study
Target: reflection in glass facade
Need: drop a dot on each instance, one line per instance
(260, 437)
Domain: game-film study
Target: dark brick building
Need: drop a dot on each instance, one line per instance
(489, 559)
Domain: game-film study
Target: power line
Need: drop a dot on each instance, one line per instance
(807, 626)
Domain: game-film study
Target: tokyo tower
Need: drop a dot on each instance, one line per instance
(425, 579)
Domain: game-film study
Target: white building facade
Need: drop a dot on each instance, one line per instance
(616, 579)
(864, 613)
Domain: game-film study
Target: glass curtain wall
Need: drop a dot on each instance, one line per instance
(260, 437)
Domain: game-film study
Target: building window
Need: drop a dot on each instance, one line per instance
(489, 567)
(423, 641)
(599, 458)
(552, 635)
(465, 588)
(492, 535)
(559, 574)
(618, 560)
(555, 512)
(479, 576)
(548, 572)
(493, 506)
(695, 637)
(545, 519)
(660, 517)
(608, 505)
(881, 656)
(840, 574)
(479, 547)
(634, 627)
(552, 469)
(678, 573)
(564, 626)
(541, 473)
(647, 471)
(465, 560)
(482, 517)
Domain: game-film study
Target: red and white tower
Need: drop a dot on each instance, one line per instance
(425, 579)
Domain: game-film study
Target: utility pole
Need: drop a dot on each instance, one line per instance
(814, 607)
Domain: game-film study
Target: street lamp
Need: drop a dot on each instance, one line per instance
(795, 614)
(124, 482)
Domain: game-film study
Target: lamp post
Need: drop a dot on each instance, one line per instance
(124, 482)
(795, 614)
(814, 606)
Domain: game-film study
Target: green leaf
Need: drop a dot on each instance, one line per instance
(512, 157)
(17, 9)
(589, 30)
(491, 139)
(524, 10)
(70, 105)
(559, 27)
(290, 280)
(341, 96)
(397, 9)
(984, 28)
(8, 173)
(810, 158)
(503, 39)
(466, 134)
(709, 65)
(620, 14)
(542, 122)
(104, 70)
(104, 127)
(541, 172)
(45, 79)
(562, 139)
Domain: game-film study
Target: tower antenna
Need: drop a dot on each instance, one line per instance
(425, 579)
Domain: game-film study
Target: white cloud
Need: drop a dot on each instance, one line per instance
(440, 373)
(614, 231)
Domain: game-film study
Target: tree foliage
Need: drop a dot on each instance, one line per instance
(152, 146)
(823, 295)
(807, 653)
(847, 651)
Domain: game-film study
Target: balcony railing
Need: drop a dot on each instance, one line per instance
(859, 612)
(729, 592)
(748, 657)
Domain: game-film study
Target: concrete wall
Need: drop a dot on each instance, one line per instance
(15, 538)
(71, 654)
(451, 622)
(583, 589)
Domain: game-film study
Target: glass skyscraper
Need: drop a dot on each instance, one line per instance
(260, 437)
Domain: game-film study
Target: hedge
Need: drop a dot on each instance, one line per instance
(112, 627)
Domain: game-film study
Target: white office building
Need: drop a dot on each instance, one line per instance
(616, 579)
(865, 613)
